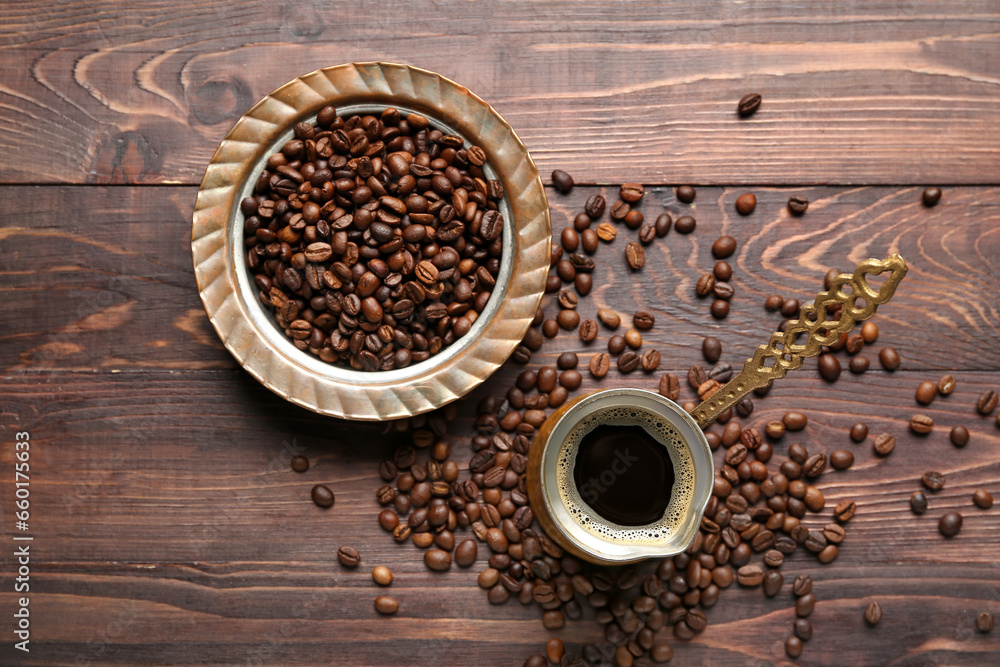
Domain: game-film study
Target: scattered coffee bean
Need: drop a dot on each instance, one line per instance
(774, 302)
(984, 621)
(563, 181)
(628, 361)
(300, 463)
(946, 385)
(933, 480)
(466, 553)
(983, 499)
(599, 365)
(859, 432)
(918, 502)
(873, 613)
(631, 192)
(921, 424)
(723, 247)
(772, 579)
(386, 605)
(635, 256)
(594, 206)
(723, 291)
(950, 523)
(794, 421)
(322, 495)
(555, 650)
(931, 196)
(959, 436)
(858, 364)
(685, 224)
(841, 459)
(845, 510)
(609, 318)
(643, 320)
(926, 391)
(705, 284)
(884, 444)
(746, 203)
(798, 204)
(987, 402)
(829, 367)
(568, 319)
(686, 194)
(711, 348)
(889, 358)
(348, 556)
(804, 605)
(536, 660)
(722, 271)
(633, 339)
(793, 647)
(382, 575)
(670, 386)
(750, 575)
(662, 225)
(790, 307)
(650, 360)
(438, 560)
(719, 309)
(616, 345)
(748, 105)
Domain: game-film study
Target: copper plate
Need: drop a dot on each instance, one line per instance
(248, 330)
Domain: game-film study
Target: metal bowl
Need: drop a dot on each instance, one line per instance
(250, 332)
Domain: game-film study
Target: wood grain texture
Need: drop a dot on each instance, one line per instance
(101, 279)
(876, 92)
(169, 524)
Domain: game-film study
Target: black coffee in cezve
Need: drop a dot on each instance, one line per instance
(624, 474)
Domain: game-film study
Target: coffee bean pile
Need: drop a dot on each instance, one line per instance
(761, 510)
(376, 240)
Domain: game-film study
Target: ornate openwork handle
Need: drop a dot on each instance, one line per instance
(784, 352)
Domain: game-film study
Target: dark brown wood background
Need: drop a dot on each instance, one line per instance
(168, 527)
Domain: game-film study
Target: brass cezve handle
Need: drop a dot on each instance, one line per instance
(789, 355)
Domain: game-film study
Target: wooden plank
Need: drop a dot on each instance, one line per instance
(100, 278)
(164, 504)
(875, 93)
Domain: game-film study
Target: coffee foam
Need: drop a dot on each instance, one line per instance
(680, 456)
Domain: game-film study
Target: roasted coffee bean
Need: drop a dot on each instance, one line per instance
(889, 358)
(722, 271)
(466, 553)
(663, 224)
(631, 192)
(719, 308)
(711, 348)
(921, 424)
(773, 302)
(775, 429)
(853, 345)
(829, 367)
(562, 181)
(635, 256)
(802, 629)
(300, 463)
(959, 436)
(748, 105)
(685, 224)
(790, 307)
(841, 459)
(568, 319)
(724, 291)
(746, 203)
(386, 605)
(950, 524)
(650, 360)
(982, 499)
(918, 502)
(599, 365)
(750, 575)
(873, 613)
(798, 204)
(348, 556)
(670, 386)
(322, 495)
(946, 385)
(987, 402)
(859, 432)
(931, 196)
(773, 582)
(686, 194)
(705, 285)
(589, 240)
(723, 372)
(643, 320)
(933, 480)
(926, 392)
(804, 605)
(628, 361)
(794, 421)
(858, 365)
(723, 247)
(438, 560)
(382, 575)
(984, 621)
(588, 331)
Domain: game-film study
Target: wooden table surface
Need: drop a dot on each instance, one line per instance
(167, 525)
